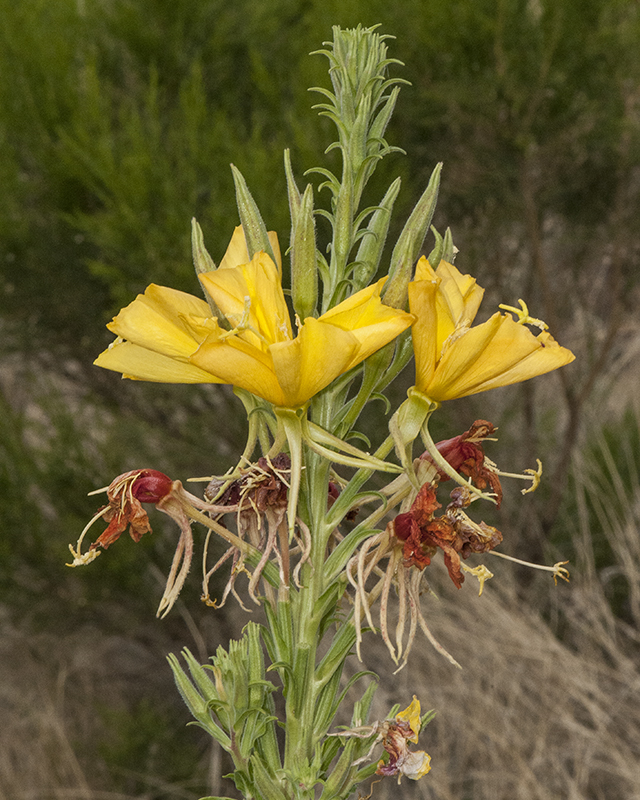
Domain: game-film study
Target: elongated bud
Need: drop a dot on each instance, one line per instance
(372, 243)
(435, 256)
(202, 261)
(255, 231)
(295, 198)
(449, 249)
(407, 249)
(304, 269)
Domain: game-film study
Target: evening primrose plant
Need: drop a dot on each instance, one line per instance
(303, 535)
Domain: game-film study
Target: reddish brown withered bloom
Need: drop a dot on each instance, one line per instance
(125, 494)
(466, 455)
(422, 533)
(412, 539)
(259, 498)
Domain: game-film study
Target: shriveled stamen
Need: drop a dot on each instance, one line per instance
(533, 475)
(558, 570)
(425, 628)
(80, 559)
(394, 559)
(175, 581)
(480, 572)
(306, 551)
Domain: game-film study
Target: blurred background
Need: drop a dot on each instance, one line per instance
(118, 121)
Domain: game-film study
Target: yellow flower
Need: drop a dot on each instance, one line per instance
(454, 359)
(171, 336)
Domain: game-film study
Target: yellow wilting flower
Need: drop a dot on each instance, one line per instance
(395, 735)
(172, 337)
(454, 359)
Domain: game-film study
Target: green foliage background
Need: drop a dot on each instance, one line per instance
(118, 121)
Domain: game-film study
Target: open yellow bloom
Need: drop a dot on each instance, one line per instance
(161, 329)
(455, 360)
(169, 336)
(157, 334)
(264, 357)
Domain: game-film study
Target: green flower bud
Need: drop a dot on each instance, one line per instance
(255, 231)
(304, 270)
(407, 249)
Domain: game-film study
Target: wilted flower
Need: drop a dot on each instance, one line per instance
(412, 539)
(413, 763)
(259, 497)
(126, 493)
(455, 533)
(395, 735)
(466, 455)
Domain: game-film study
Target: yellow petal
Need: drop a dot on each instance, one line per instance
(139, 363)
(258, 284)
(424, 270)
(549, 356)
(161, 320)
(238, 362)
(411, 714)
(238, 254)
(372, 323)
(457, 302)
(497, 353)
(308, 364)
(422, 303)
(275, 246)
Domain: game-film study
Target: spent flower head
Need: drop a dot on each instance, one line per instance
(395, 735)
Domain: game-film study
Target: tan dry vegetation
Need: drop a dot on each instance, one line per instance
(529, 717)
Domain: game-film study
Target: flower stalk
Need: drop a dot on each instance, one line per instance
(323, 553)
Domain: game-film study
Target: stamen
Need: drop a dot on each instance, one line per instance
(78, 558)
(557, 569)
(533, 475)
(97, 491)
(523, 315)
(480, 572)
(243, 325)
